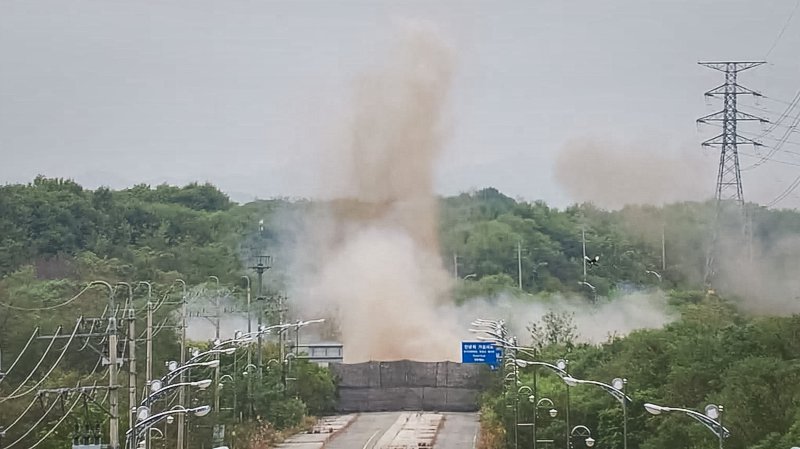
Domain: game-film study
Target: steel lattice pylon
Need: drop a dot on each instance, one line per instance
(729, 177)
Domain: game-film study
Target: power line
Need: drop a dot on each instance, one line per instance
(19, 356)
(31, 428)
(52, 368)
(38, 309)
(46, 351)
(785, 193)
(783, 30)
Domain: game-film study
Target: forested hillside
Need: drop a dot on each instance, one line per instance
(56, 236)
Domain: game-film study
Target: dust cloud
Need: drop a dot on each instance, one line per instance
(759, 277)
(375, 266)
(612, 174)
(595, 324)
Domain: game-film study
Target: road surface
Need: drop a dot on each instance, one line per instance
(459, 431)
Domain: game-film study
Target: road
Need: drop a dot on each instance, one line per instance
(458, 431)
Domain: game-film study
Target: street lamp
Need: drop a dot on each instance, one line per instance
(541, 403)
(654, 273)
(582, 432)
(521, 391)
(560, 368)
(144, 420)
(158, 389)
(617, 389)
(197, 355)
(712, 418)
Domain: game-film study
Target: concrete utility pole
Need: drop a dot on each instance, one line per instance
(181, 395)
(132, 382)
(455, 266)
(729, 177)
(249, 352)
(113, 398)
(148, 348)
(583, 245)
(519, 263)
(663, 250)
(263, 263)
(216, 336)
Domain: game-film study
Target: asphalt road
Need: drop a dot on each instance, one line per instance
(459, 431)
(364, 432)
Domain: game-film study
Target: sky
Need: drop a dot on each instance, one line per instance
(555, 100)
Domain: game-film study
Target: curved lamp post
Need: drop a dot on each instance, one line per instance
(581, 432)
(654, 273)
(541, 403)
(560, 369)
(144, 420)
(175, 369)
(617, 389)
(158, 389)
(712, 418)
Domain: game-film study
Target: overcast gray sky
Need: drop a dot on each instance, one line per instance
(243, 92)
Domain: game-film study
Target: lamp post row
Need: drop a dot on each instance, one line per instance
(495, 331)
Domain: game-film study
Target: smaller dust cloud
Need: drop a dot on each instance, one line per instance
(613, 174)
(762, 277)
(595, 323)
(376, 268)
(202, 309)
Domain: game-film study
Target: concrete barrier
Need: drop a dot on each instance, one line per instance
(409, 385)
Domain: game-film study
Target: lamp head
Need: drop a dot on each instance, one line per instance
(571, 381)
(653, 409)
(618, 383)
(202, 411)
(521, 363)
(172, 365)
(155, 385)
(712, 411)
(202, 384)
(228, 351)
(561, 364)
(217, 342)
(553, 413)
(212, 363)
(142, 413)
(170, 419)
(237, 335)
(589, 442)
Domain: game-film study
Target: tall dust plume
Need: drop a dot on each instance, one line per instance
(376, 269)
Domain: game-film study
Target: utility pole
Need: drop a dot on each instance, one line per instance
(263, 263)
(249, 352)
(455, 266)
(148, 348)
(729, 177)
(216, 337)
(181, 395)
(132, 383)
(583, 245)
(113, 398)
(519, 263)
(663, 249)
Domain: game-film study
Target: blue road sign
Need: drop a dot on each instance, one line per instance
(478, 352)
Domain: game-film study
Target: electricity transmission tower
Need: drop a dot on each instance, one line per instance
(729, 177)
